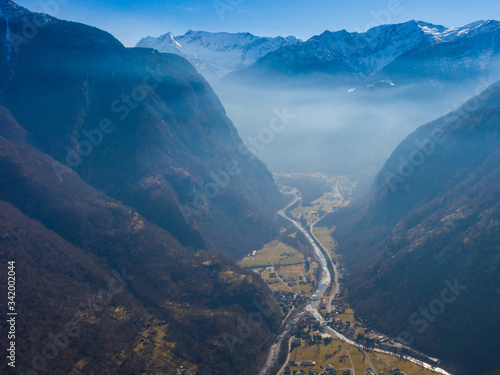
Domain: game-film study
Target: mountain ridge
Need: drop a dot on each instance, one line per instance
(216, 54)
(357, 58)
(101, 147)
(76, 239)
(150, 118)
(432, 216)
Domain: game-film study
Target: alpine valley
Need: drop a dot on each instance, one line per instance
(221, 203)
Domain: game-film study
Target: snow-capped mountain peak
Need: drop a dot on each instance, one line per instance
(442, 34)
(165, 43)
(216, 54)
(431, 29)
(360, 55)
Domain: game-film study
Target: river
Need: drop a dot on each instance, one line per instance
(325, 279)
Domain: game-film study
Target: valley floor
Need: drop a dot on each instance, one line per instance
(335, 342)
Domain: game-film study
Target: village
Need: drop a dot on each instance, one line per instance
(292, 277)
(314, 351)
(291, 273)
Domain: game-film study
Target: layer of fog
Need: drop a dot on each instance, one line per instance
(334, 131)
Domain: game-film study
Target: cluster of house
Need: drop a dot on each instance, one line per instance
(183, 371)
(288, 300)
(337, 308)
(328, 370)
(333, 314)
(290, 281)
(345, 327)
(310, 322)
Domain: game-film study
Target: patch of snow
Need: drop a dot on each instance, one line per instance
(454, 33)
(217, 54)
(362, 54)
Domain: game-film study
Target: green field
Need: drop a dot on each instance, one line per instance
(344, 356)
(324, 236)
(303, 210)
(287, 271)
(383, 363)
(338, 354)
(273, 254)
(286, 262)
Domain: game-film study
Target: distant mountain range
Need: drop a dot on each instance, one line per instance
(411, 51)
(217, 54)
(433, 218)
(401, 52)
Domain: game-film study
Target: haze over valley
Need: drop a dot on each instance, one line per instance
(217, 202)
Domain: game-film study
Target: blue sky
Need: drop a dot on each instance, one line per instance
(130, 20)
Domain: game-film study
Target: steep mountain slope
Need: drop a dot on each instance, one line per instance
(217, 54)
(142, 126)
(461, 56)
(357, 95)
(431, 220)
(356, 58)
(136, 300)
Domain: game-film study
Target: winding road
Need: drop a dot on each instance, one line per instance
(325, 279)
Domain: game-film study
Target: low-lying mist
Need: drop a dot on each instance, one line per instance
(337, 131)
